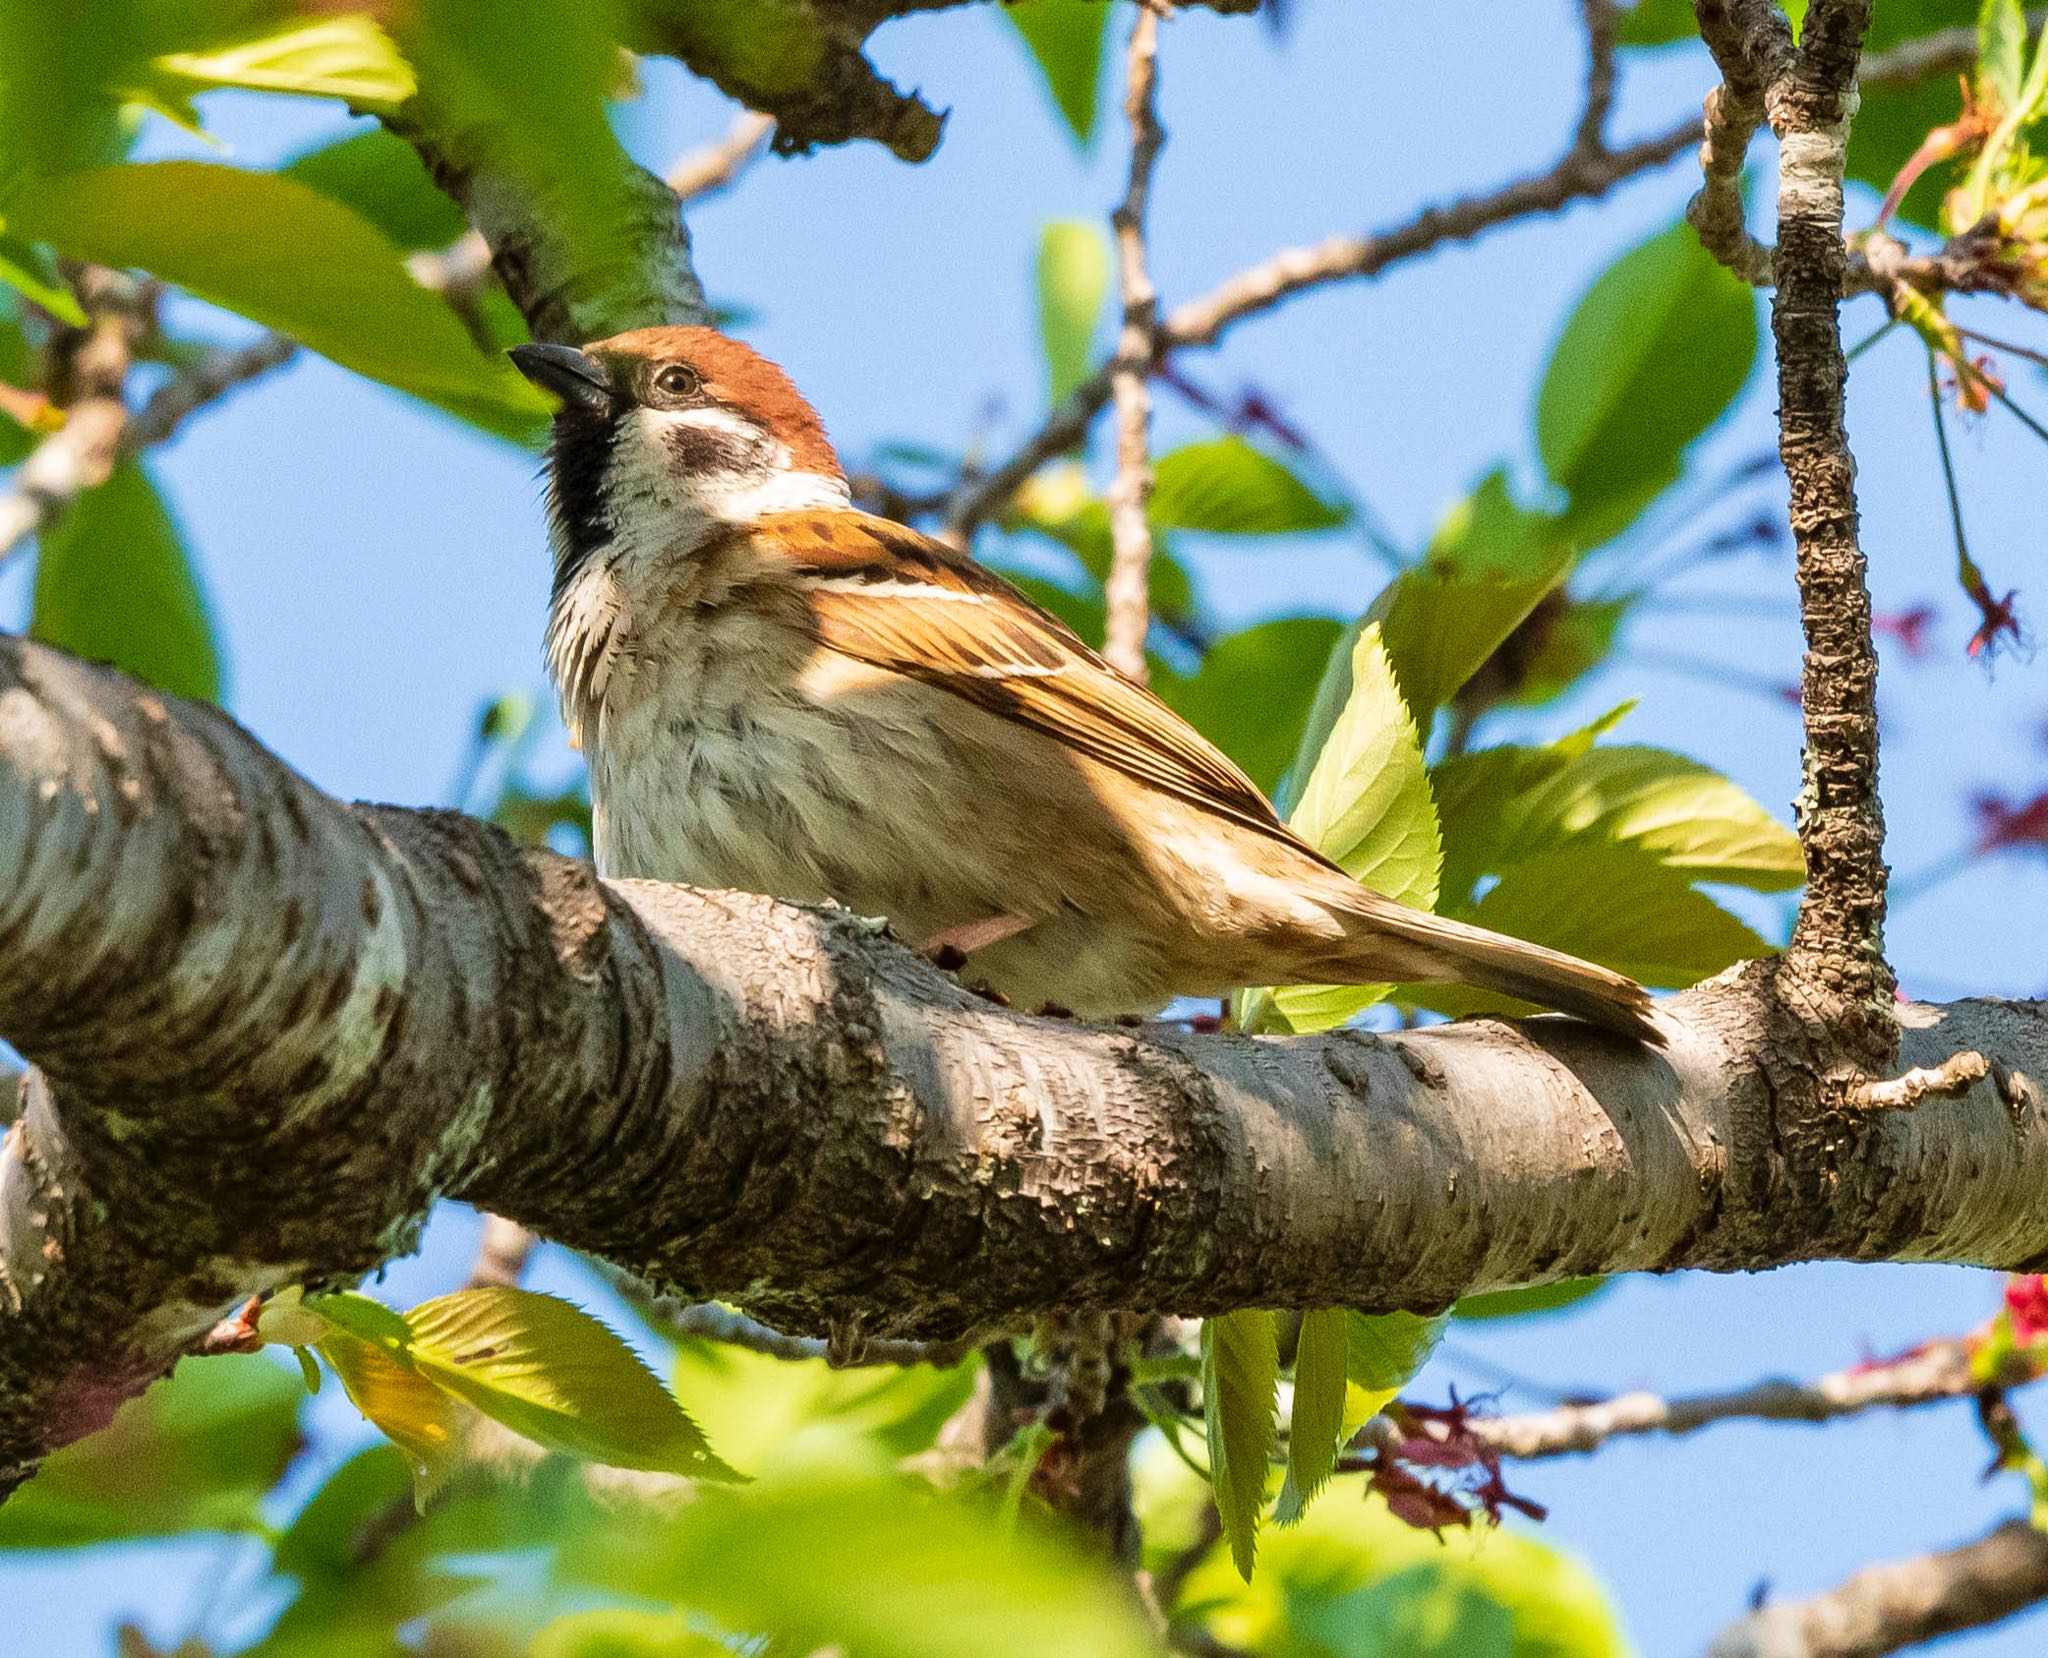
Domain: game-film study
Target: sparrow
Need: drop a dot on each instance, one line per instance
(780, 693)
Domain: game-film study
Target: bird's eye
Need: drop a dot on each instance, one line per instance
(677, 381)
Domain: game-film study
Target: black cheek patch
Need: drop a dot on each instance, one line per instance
(703, 449)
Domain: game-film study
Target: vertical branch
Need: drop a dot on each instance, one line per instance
(1838, 942)
(1127, 593)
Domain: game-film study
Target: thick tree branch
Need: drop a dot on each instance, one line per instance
(1127, 591)
(1891, 1607)
(272, 1030)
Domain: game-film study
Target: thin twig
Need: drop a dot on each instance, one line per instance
(1127, 593)
(1954, 1077)
(711, 167)
(1887, 1608)
(216, 374)
(710, 1321)
(1936, 1371)
(1602, 20)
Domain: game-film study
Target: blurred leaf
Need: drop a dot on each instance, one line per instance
(1240, 1385)
(1650, 358)
(1226, 487)
(1611, 904)
(1073, 277)
(1254, 690)
(30, 271)
(1441, 624)
(621, 1632)
(766, 1413)
(1061, 505)
(1536, 1298)
(1565, 643)
(346, 57)
(325, 1538)
(1430, 1592)
(1315, 1425)
(114, 583)
(197, 1452)
(1488, 530)
(378, 176)
(1383, 1350)
(870, 1565)
(1660, 22)
(2002, 49)
(278, 251)
(1502, 806)
(1066, 40)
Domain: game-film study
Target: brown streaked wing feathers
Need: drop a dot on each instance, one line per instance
(1003, 654)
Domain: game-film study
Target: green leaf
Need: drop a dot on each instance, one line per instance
(1367, 806)
(768, 1413)
(277, 251)
(548, 1370)
(1240, 1385)
(427, 1423)
(1565, 644)
(1892, 120)
(1663, 22)
(1353, 1581)
(114, 583)
(346, 57)
(1254, 690)
(1612, 904)
(1315, 1425)
(1441, 624)
(1650, 358)
(1061, 505)
(197, 1452)
(1065, 38)
(1073, 277)
(1383, 1350)
(324, 1540)
(1501, 806)
(378, 176)
(873, 1566)
(2001, 49)
(1535, 1298)
(1226, 487)
(622, 1632)
(30, 271)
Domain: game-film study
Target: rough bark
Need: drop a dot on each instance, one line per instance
(272, 1030)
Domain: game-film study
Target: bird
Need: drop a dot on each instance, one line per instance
(779, 693)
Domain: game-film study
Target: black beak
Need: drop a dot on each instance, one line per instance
(576, 377)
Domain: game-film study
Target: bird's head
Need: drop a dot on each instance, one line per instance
(666, 433)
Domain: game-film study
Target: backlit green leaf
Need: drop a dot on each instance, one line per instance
(1240, 1385)
(30, 271)
(1649, 359)
(345, 57)
(2002, 49)
(1367, 806)
(548, 1370)
(1536, 1298)
(1065, 38)
(1383, 1350)
(1315, 1424)
(195, 1453)
(114, 583)
(278, 251)
(623, 1632)
(1073, 276)
(1225, 486)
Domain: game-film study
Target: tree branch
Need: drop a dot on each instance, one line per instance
(221, 976)
(1936, 1371)
(1127, 591)
(1888, 1608)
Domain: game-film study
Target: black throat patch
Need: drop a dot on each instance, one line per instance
(579, 454)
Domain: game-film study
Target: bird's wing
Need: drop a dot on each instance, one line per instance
(886, 595)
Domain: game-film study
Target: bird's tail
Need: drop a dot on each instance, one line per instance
(1387, 940)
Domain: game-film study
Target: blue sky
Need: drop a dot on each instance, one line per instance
(378, 572)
